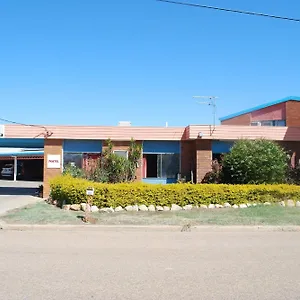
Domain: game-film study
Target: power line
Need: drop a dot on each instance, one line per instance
(231, 10)
(46, 134)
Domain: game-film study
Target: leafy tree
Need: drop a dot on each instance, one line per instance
(113, 168)
(255, 161)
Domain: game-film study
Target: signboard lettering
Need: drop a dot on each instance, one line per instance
(53, 161)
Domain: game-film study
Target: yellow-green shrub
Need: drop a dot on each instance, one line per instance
(73, 190)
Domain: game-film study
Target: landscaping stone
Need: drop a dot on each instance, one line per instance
(129, 208)
(143, 207)
(54, 202)
(254, 204)
(166, 208)
(290, 203)
(249, 204)
(267, 204)
(281, 203)
(298, 203)
(107, 210)
(203, 206)
(159, 208)
(243, 205)
(226, 205)
(94, 208)
(75, 207)
(83, 206)
(175, 207)
(118, 209)
(66, 207)
(218, 206)
(188, 207)
(211, 206)
(151, 207)
(135, 208)
(235, 206)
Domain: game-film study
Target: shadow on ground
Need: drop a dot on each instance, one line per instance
(18, 191)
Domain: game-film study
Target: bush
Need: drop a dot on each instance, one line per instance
(293, 176)
(215, 175)
(255, 162)
(73, 191)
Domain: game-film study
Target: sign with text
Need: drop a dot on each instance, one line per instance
(90, 191)
(53, 161)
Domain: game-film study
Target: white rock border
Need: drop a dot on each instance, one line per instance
(175, 207)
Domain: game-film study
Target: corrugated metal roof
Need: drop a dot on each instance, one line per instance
(221, 132)
(246, 111)
(232, 132)
(97, 132)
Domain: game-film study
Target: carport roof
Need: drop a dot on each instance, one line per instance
(22, 154)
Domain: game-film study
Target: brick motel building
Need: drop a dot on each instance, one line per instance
(167, 152)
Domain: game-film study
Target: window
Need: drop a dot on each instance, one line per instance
(74, 159)
(269, 123)
(122, 153)
(161, 165)
(280, 123)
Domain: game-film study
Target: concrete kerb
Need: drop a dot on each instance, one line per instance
(146, 228)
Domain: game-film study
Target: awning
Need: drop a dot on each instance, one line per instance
(23, 155)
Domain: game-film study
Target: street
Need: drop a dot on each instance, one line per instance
(149, 264)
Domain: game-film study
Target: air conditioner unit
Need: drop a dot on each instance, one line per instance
(124, 123)
(1, 131)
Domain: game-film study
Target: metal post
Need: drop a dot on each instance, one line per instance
(15, 168)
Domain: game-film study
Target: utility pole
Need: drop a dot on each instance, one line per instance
(211, 102)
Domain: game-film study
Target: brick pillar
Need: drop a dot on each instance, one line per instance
(51, 147)
(188, 159)
(203, 158)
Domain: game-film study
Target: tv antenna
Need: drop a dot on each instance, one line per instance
(211, 101)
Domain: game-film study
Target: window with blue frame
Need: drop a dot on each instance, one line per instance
(161, 159)
(73, 159)
(165, 165)
(76, 152)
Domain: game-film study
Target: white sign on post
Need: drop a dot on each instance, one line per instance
(90, 191)
(53, 161)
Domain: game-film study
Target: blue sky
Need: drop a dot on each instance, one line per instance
(98, 62)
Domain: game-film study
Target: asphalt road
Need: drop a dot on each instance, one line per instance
(124, 264)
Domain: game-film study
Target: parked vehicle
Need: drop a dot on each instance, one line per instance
(8, 171)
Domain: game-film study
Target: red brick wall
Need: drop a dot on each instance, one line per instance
(51, 147)
(274, 112)
(203, 158)
(240, 120)
(292, 113)
(188, 158)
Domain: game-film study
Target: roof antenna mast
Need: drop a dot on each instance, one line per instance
(211, 101)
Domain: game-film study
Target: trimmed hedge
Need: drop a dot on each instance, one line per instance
(73, 191)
